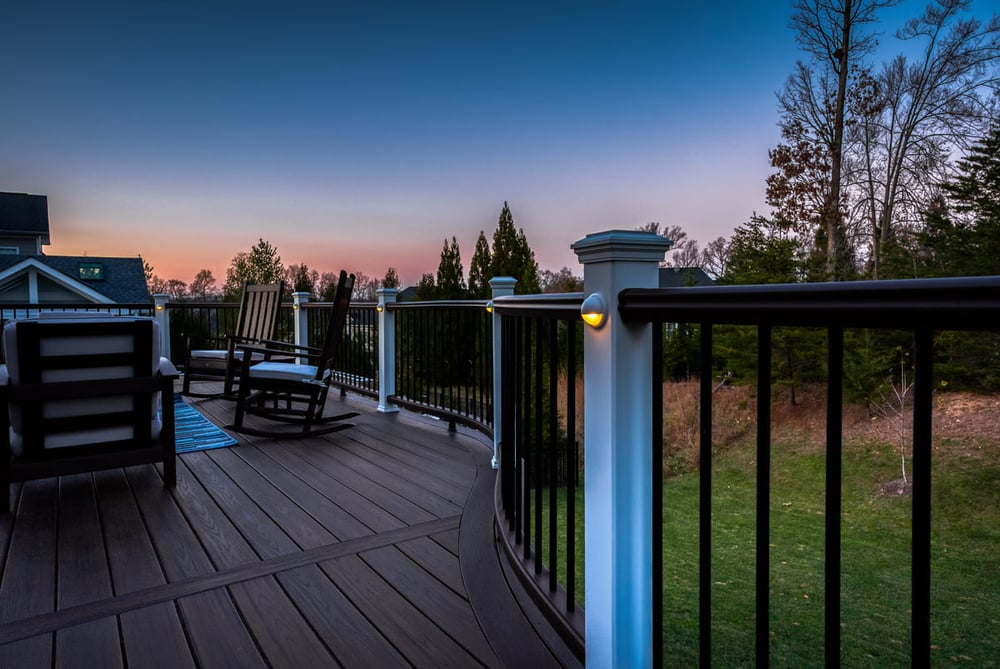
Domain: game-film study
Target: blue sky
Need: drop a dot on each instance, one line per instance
(364, 134)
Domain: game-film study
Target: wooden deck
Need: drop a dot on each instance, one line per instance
(368, 547)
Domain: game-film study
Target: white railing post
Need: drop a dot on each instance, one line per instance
(617, 437)
(301, 321)
(162, 316)
(501, 285)
(386, 350)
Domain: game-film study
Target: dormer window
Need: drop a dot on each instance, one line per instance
(91, 271)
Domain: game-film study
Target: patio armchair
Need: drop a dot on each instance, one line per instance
(290, 392)
(258, 317)
(83, 394)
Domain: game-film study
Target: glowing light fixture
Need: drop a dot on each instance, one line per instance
(295, 307)
(159, 307)
(489, 306)
(593, 311)
(380, 307)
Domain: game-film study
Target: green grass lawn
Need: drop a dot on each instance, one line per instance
(875, 597)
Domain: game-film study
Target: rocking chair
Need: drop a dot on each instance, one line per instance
(258, 317)
(289, 392)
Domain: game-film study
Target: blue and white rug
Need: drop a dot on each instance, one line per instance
(194, 432)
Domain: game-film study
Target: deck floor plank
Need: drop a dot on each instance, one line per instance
(375, 504)
(29, 575)
(339, 550)
(213, 623)
(152, 635)
(354, 515)
(414, 635)
(450, 612)
(83, 576)
(438, 561)
(354, 641)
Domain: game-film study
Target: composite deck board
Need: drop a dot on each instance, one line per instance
(417, 637)
(354, 641)
(154, 635)
(83, 576)
(308, 489)
(378, 505)
(438, 602)
(344, 460)
(313, 466)
(450, 476)
(339, 550)
(450, 466)
(438, 561)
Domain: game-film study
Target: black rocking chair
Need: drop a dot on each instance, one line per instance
(294, 393)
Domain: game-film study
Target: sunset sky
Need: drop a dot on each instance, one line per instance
(362, 135)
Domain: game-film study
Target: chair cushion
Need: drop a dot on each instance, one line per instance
(285, 371)
(211, 354)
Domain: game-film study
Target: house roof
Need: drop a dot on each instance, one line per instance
(681, 277)
(123, 279)
(24, 214)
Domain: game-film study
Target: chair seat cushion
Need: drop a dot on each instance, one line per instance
(284, 371)
(209, 354)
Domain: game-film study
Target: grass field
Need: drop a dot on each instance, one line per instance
(875, 596)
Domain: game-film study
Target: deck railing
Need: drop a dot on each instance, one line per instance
(919, 306)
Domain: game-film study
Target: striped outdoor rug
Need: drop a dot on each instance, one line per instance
(194, 432)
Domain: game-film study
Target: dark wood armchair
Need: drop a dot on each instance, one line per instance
(79, 395)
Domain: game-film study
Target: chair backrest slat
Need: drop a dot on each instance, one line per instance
(259, 311)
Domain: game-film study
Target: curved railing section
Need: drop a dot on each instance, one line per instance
(444, 360)
(539, 490)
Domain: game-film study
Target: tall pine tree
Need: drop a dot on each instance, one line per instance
(450, 275)
(480, 271)
(512, 256)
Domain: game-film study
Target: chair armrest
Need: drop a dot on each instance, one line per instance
(312, 350)
(167, 369)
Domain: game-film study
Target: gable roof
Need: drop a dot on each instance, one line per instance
(123, 280)
(681, 277)
(24, 214)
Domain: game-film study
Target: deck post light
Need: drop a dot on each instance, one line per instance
(594, 311)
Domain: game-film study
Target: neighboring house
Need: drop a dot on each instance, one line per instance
(27, 276)
(681, 277)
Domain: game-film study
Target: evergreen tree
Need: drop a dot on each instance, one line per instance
(505, 246)
(512, 256)
(301, 279)
(761, 251)
(261, 264)
(527, 280)
(426, 290)
(450, 274)
(391, 279)
(479, 270)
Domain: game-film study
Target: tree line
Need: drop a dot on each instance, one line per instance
(510, 254)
